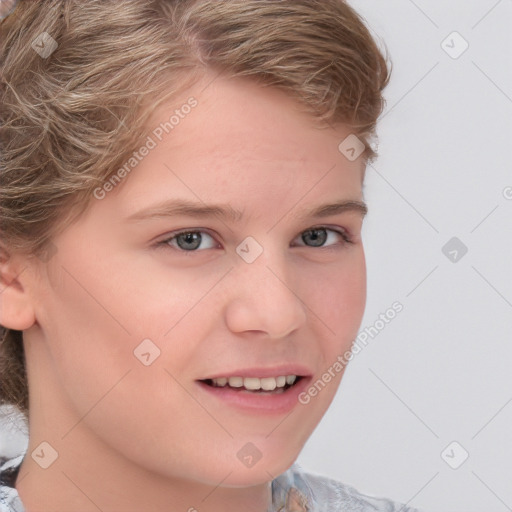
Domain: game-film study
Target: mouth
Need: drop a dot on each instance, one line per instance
(256, 385)
(259, 392)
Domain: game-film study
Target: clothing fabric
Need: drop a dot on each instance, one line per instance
(299, 491)
(9, 499)
(293, 491)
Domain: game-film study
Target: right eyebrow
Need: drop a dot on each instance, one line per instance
(173, 208)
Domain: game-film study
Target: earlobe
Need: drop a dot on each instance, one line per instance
(16, 310)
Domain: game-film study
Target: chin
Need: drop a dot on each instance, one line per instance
(257, 472)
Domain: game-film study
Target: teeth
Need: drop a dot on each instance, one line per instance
(268, 384)
(290, 379)
(254, 383)
(236, 382)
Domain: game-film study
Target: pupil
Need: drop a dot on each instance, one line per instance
(189, 238)
(317, 240)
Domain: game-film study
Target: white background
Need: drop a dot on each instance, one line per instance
(441, 370)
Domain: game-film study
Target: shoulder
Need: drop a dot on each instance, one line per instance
(13, 446)
(9, 499)
(322, 494)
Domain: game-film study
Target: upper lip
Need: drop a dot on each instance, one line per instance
(262, 372)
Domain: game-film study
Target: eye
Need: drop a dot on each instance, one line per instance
(318, 237)
(188, 241)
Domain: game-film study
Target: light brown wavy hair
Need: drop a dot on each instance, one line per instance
(71, 119)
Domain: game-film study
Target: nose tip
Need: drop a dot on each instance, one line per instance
(265, 301)
(290, 310)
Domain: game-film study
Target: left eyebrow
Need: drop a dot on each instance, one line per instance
(172, 208)
(336, 208)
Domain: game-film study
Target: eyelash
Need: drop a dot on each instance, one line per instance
(165, 243)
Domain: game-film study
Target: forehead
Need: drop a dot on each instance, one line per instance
(237, 114)
(239, 140)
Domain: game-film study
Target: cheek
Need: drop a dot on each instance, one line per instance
(351, 295)
(92, 327)
(86, 322)
(338, 300)
(94, 318)
(338, 297)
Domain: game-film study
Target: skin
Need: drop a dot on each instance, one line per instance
(132, 437)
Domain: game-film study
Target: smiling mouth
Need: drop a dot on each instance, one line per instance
(255, 385)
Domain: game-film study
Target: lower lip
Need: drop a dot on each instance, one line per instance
(261, 403)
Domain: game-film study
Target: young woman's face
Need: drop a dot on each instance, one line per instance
(134, 321)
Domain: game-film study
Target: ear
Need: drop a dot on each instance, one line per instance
(16, 310)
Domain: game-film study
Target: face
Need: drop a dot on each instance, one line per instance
(154, 298)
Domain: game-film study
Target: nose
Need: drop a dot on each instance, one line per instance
(263, 297)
